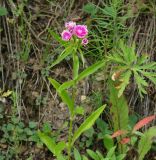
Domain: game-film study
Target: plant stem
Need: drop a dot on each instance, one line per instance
(75, 73)
(70, 136)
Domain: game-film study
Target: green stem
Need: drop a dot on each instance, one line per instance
(75, 74)
(70, 137)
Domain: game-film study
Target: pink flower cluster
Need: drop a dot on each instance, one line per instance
(72, 29)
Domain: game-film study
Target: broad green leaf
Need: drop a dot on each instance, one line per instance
(77, 155)
(93, 155)
(108, 142)
(64, 95)
(3, 11)
(119, 109)
(87, 123)
(49, 142)
(90, 70)
(146, 142)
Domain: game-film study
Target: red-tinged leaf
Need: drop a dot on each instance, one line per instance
(125, 140)
(144, 122)
(118, 133)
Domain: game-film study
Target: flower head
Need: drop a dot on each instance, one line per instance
(84, 41)
(80, 31)
(70, 25)
(66, 35)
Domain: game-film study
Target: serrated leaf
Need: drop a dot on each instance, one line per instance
(93, 155)
(141, 83)
(118, 133)
(125, 81)
(87, 123)
(125, 140)
(119, 109)
(111, 152)
(146, 142)
(144, 122)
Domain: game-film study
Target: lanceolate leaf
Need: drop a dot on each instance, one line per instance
(125, 140)
(144, 122)
(146, 142)
(64, 95)
(62, 56)
(87, 123)
(66, 85)
(90, 70)
(49, 142)
(118, 133)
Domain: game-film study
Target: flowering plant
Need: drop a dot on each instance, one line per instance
(73, 30)
(76, 35)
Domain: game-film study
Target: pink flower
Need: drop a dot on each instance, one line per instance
(70, 25)
(66, 35)
(84, 41)
(80, 31)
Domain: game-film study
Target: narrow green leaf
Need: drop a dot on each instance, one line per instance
(64, 95)
(49, 142)
(90, 70)
(66, 85)
(87, 123)
(62, 56)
